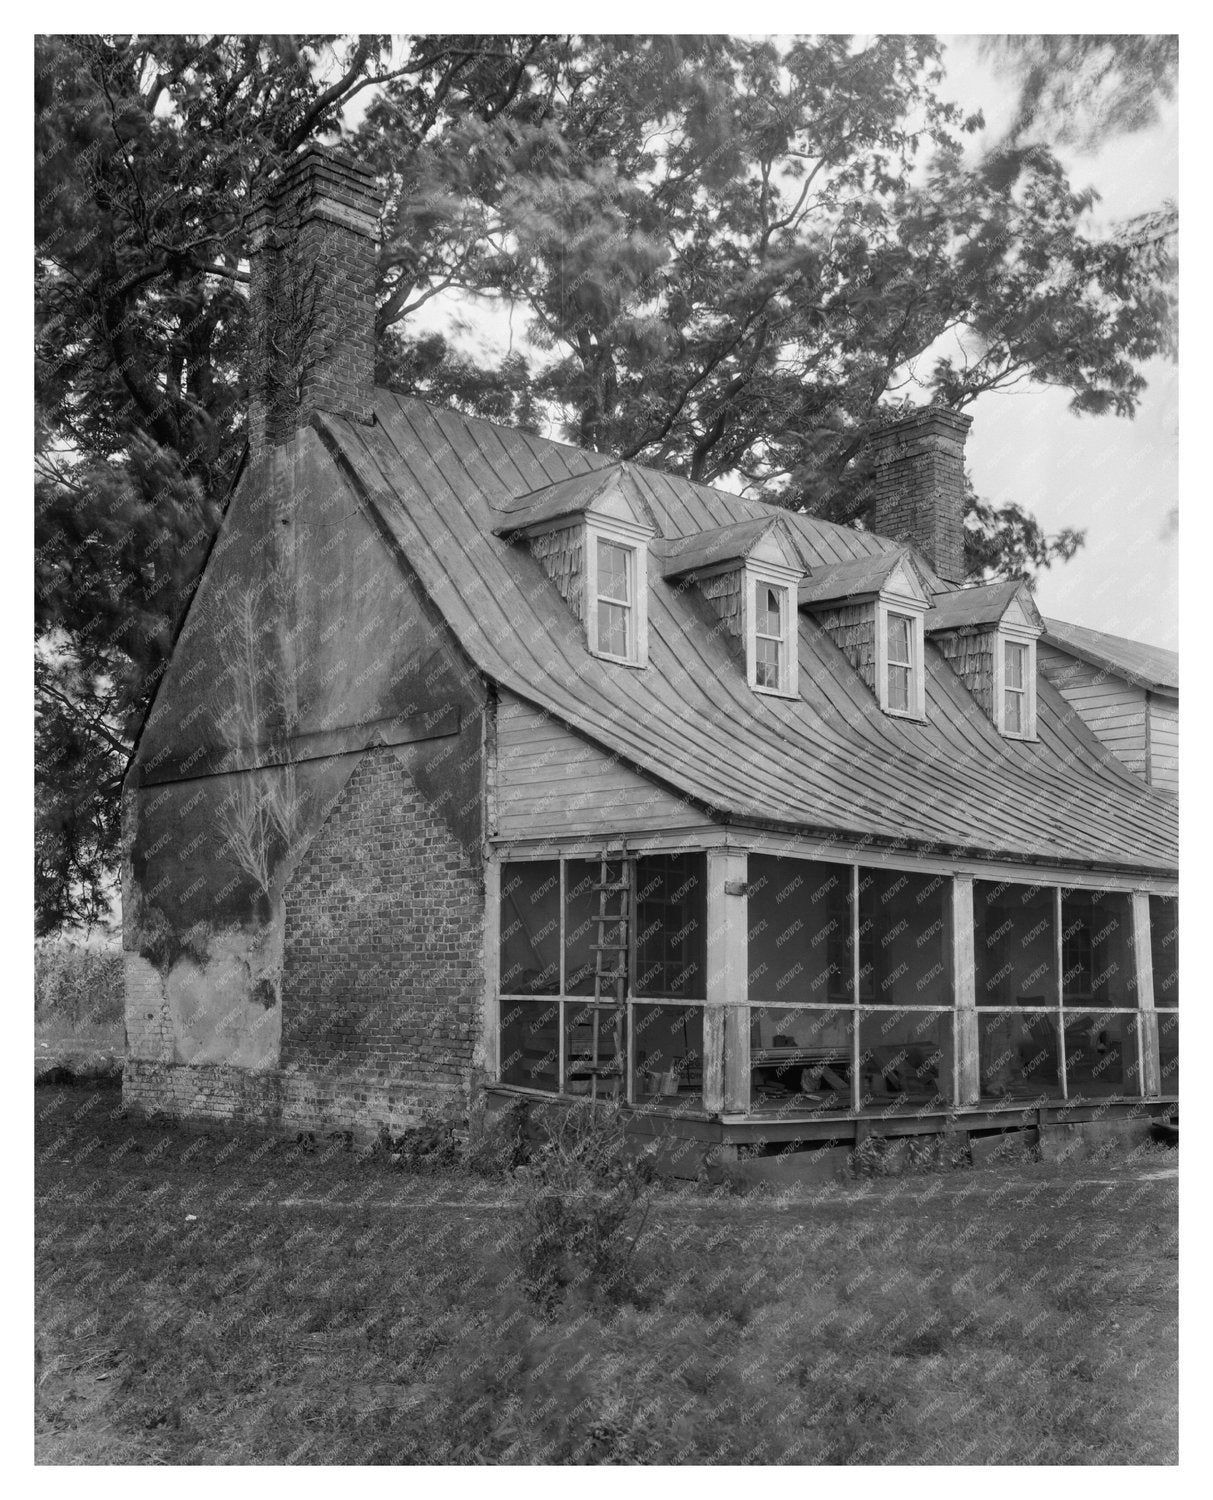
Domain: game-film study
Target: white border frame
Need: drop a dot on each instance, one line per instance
(777, 576)
(636, 538)
(1002, 636)
(915, 611)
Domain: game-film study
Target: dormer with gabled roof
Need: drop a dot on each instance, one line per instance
(748, 572)
(872, 608)
(590, 534)
(988, 635)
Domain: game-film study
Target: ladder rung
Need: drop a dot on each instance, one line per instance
(613, 885)
(608, 947)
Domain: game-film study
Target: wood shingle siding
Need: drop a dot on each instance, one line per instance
(559, 553)
(723, 593)
(852, 628)
(826, 762)
(970, 653)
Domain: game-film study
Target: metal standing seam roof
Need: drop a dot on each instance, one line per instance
(826, 762)
(1142, 665)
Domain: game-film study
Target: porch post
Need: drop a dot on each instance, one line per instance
(490, 1030)
(964, 989)
(726, 1025)
(1147, 1020)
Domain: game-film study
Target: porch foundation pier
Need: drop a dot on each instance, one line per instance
(726, 1024)
(1147, 1021)
(968, 1068)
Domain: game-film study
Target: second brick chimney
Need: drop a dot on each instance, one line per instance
(919, 486)
(313, 248)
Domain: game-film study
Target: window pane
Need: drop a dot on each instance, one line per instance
(1014, 942)
(904, 924)
(613, 629)
(770, 610)
(530, 928)
(766, 663)
(671, 926)
(799, 919)
(1013, 713)
(1015, 660)
(1164, 950)
(613, 572)
(530, 1043)
(899, 639)
(899, 688)
(1097, 949)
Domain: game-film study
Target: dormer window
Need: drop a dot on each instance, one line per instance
(899, 673)
(987, 633)
(615, 594)
(748, 572)
(770, 635)
(591, 535)
(1015, 693)
(872, 609)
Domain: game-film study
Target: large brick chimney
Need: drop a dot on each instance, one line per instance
(313, 247)
(919, 486)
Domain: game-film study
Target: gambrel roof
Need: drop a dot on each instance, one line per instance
(827, 762)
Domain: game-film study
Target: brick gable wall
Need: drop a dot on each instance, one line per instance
(382, 969)
(382, 972)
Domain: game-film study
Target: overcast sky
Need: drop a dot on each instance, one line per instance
(1114, 478)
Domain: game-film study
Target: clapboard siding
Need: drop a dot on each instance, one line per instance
(1114, 710)
(1164, 743)
(550, 782)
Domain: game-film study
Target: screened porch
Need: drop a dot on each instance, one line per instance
(754, 984)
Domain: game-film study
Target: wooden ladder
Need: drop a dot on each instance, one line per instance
(610, 979)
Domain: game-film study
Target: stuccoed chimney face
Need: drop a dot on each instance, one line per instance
(313, 249)
(919, 486)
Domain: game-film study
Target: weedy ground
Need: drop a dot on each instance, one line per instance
(231, 1299)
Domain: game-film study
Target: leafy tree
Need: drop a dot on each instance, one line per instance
(730, 255)
(1082, 90)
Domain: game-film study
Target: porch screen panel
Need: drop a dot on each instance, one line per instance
(1101, 1056)
(1164, 950)
(799, 931)
(1015, 944)
(530, 1043)
(1019, 1053)
(1168, 1050)
(801, 1056)
(905, 1059)
(581, 924)
(904, 938)
(530, 928)
(668, 1046)
(1097, 965)
(671, 926)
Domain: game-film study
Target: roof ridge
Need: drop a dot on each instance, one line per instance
(609, 462)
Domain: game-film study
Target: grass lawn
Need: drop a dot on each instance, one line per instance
(226, 1299)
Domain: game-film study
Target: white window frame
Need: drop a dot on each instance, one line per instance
(634, 539)
(772, 575)
(912, 610)
(1008, 636)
